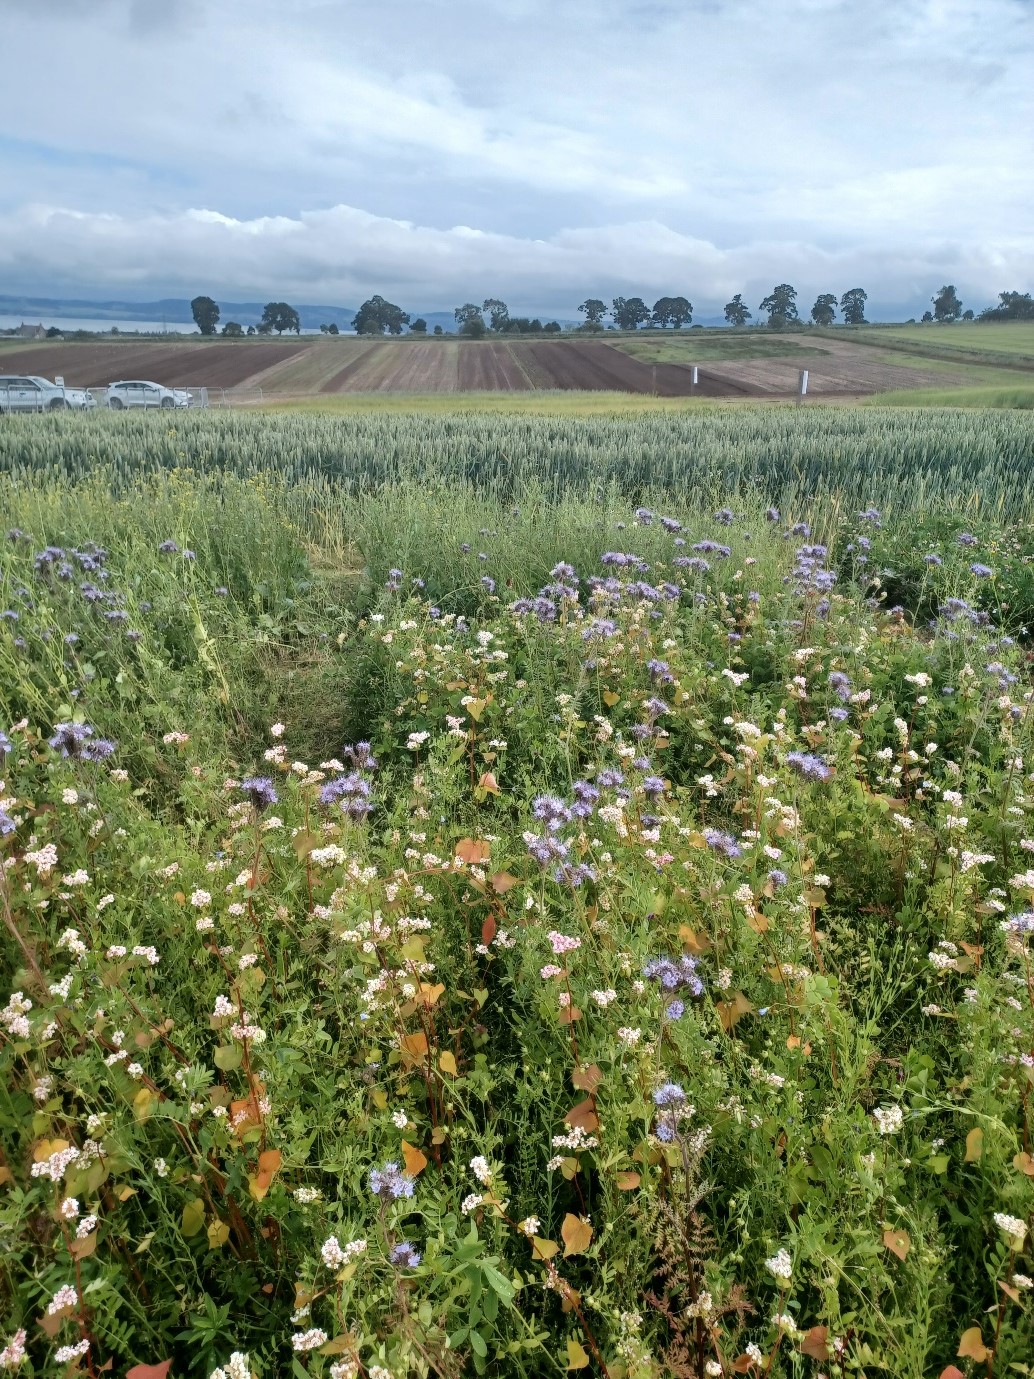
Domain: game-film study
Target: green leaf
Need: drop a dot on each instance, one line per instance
(193, 1217)
(477, 1344)
(228, 1057)
(498, 1282)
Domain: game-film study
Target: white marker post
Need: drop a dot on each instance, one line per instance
(802, 385)
(696, 375)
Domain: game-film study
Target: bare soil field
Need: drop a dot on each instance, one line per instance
(593, 366)
(492, 367)
(310, 367)
(216, 364)
(836, 368)
(313, 369)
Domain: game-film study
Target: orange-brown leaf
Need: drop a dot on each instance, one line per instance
(472, 850)
(583, 1116)
(729, 1012)
(898, 1242)
(414, 1047)
(971, 1345)
(627, 1182)
(974, 1145)
(415, 1159)
(488, 930)
(569, 1015)
(149, 1371)
(1024, 1163)
(587, 1077)
(488, 783)
(816, 1343)
(245, 1114)
(544, 1249)
(695, 942)
(952, 1372)
(576, 1234)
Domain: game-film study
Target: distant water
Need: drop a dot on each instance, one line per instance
(69, 323)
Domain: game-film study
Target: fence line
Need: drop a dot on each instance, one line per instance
(18, 399)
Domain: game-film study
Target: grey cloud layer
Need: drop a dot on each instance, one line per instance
(342, 251)
(895, 136)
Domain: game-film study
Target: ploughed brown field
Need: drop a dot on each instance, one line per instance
(306, 367)
(212, 364)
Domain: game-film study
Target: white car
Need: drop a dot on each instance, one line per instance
(140, 394)
(19, 393)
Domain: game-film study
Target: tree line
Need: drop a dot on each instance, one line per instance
(276, 316)
(377, 316)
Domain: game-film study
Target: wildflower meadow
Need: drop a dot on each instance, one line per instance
(498, 919)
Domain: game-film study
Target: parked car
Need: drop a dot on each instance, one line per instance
(33, 394)
(139, 394)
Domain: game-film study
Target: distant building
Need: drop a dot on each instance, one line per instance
(26, 332)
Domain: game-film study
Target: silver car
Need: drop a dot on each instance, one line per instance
(20, 393)
(140, 394)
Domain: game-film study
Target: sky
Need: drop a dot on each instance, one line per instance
(542, 151)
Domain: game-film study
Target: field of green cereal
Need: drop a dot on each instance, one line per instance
(517, 895)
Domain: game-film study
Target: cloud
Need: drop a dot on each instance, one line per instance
(714, 139)
(344, 254)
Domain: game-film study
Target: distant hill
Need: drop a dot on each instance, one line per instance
(175, 310)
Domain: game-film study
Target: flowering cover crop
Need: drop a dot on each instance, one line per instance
(621, 965)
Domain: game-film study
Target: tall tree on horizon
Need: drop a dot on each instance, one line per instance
(206, 314)
(781, 305)
(593, 309)
(736, 312)
(946, 304)
(673, 311)
(852, 306)
(825, 309)
(498, 312)
(376, 316)
(279, 316)
(629, 312)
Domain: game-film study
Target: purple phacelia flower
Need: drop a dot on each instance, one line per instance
(722, 842)
(551, 811)
(809, 765)
(840, 685)
(260, 791)
(669, 1094)
(673, 975)
(390, 1183)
